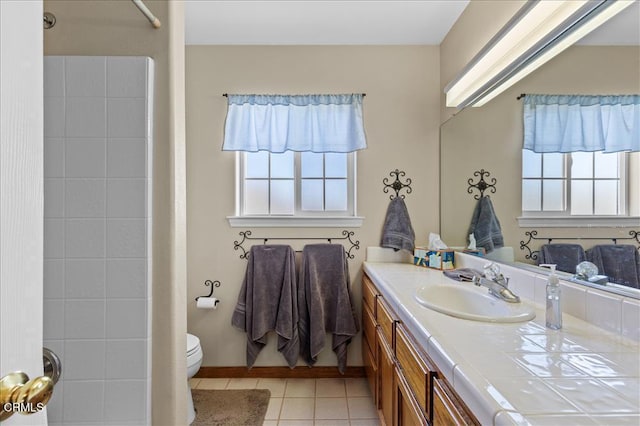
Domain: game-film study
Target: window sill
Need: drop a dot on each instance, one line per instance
(295, 222)
(578, 221)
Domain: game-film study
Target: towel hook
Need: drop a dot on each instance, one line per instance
(211, 284)
(481, 185)
(396, 185)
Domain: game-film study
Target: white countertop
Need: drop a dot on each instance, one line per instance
(520, 373)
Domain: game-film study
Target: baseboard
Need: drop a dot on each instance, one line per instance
(301, 372)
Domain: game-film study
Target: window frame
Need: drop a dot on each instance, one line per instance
(531, 218)
(299, 218)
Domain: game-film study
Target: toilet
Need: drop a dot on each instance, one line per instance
(194, 361)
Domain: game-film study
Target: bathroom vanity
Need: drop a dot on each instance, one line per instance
(427, 367)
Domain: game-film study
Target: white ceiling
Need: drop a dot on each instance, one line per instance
(352, 22)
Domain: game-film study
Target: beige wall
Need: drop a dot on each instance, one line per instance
(401, 112)
(89, 27)
(490, 137)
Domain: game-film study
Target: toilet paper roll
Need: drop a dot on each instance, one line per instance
(207, 303)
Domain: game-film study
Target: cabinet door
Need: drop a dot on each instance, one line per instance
(385, 380)
(416, 369)
(370, 366)
(447, 409)
(408, 412)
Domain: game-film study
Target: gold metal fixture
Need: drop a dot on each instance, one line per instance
(19, 394)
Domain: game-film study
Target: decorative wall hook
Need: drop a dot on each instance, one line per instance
(396, 185)
(211, 284)
(481, 185)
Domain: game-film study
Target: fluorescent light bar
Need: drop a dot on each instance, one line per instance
(540, 31)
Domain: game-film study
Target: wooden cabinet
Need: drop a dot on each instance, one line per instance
(406, 386)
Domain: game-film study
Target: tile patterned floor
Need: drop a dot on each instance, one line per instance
(308, 402)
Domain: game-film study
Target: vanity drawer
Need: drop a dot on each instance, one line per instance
(408, 411)
(415, 369)
(385, 320)
(370, 367)
(447, 408)
(369, 294)
(369, 328)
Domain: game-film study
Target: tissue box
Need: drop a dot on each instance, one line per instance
(436, 259)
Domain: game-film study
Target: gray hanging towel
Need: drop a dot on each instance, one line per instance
(619, 262)
(268, 301)
(324, 302)
(485, 226)
(397, 232)
(564, 256)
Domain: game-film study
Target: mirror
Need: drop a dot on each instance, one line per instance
(489, 139)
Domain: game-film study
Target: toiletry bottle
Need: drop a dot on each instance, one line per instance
(554, 308)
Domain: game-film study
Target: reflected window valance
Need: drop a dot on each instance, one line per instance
(573, 123)
(279, 123)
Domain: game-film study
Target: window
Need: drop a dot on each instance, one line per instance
(296, 188)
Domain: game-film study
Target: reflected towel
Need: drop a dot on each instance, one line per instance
(324, 302)
(485, 226)
(619, 262)
(268, 301)
(564, 256)
(397, 232)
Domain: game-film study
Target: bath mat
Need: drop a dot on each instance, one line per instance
(244, 407)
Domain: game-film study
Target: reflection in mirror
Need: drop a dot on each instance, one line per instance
(491, 138)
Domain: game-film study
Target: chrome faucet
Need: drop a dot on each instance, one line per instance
(497, 283)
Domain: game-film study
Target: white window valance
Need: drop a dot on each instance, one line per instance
(278, 123)
(573, 123)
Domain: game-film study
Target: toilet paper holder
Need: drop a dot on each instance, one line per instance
(211, 284)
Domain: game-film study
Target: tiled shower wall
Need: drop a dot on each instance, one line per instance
(97, 128)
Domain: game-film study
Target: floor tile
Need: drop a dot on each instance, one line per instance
(273, 410)
(361, 408)
(331, 408)
(242, 384)
(297, 409)
(332, 422)
(212, 383)
(357, 387)
(365, 422)
(295, 423)
(270, 423)
(330, 388)
(193, 383)
(300, 388)
(276, 386)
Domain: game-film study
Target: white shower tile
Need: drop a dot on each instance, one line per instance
(54, 117)
(53, 319)
(84, 359)
(126, 359)
(53, 76)
(53, 157)
(53, 238)
(53, 198)
(126, 237)
(126, 198)
(126, 278)
(85, 279)
(126, 319)
(85, 158)
(126, 158)
(85, 76)
(84, 319)
(86, 117)
(54, 406)
(83, 401)
(84, 238)
(126, 77)
(125, 400)
(85, 198)
(53, 279)
(126, 118)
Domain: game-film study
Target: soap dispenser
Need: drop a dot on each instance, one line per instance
(554, 308)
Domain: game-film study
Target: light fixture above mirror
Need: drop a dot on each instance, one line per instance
(539, 31)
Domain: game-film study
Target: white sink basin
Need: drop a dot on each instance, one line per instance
(469, 303)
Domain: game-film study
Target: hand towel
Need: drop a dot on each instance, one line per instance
(619, 262)
(268, 301)
(564, 256)
(397, 232)
(485, 226)
(324, 302)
